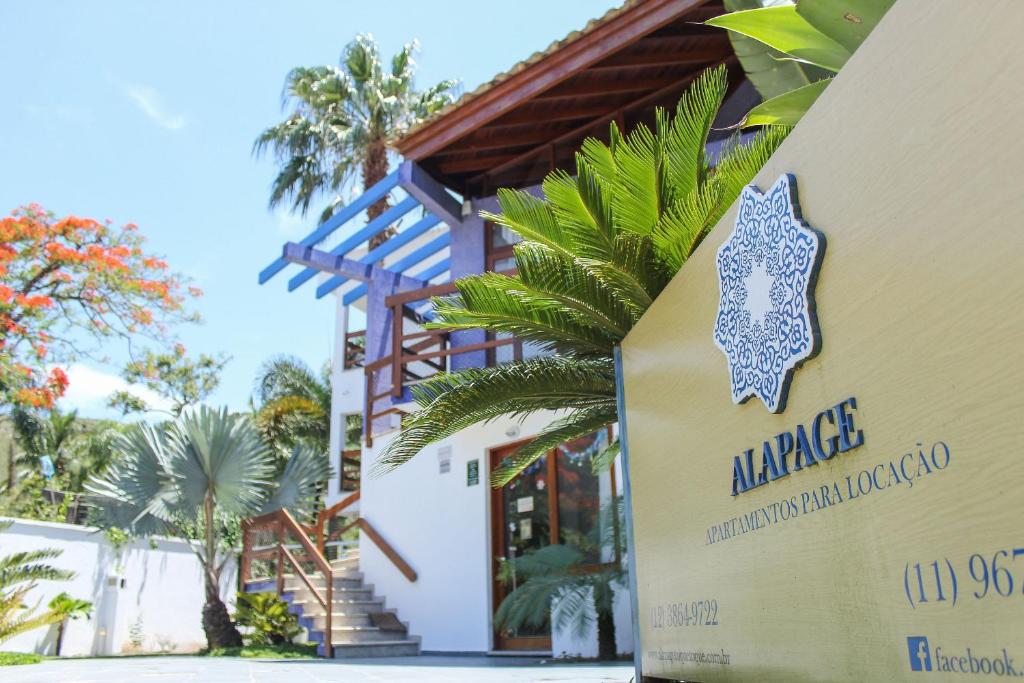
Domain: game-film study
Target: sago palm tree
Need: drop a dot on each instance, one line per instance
(597, 251)
(67, 607)
(193, 478)
(18, 576)
(343, 118)
(562, 584)
(295, 403)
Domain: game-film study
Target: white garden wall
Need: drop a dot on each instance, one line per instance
(144, 599)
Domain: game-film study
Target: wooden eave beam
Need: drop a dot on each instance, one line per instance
(581, 130)
(500, 141)
(607, 87)
(546, 114)
(641, 60)
(618, 32)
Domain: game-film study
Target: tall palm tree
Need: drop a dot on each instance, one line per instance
(47, 434)
(597, 251)
(295, 403)
(195, 477)
(343, 118)
(18, 576)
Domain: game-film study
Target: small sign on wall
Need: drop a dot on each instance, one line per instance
(472, 473)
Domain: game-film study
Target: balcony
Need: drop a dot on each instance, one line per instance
(416, 354)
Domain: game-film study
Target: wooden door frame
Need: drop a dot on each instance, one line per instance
(498, 534)
(498, 522)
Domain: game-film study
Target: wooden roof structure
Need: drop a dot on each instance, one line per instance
(525, 122)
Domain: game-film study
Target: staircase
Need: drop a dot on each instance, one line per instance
(361, 625)
(339, 612)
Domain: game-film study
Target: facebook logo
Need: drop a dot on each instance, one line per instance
(920, 655)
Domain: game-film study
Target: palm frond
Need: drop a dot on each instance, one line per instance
(531, 217)
(213, 450)
(453, 401)
(686, 136)
(482, 303)
(576, 424)
(297, 487)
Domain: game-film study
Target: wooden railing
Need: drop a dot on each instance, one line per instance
(349, 469)
(287, 533)
(415, 356)
(276, 539)
(355, 349)
(323, 535)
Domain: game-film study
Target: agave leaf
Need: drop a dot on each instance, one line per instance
(766, 68)
(848, 22)
(781, 28)
(787, 109)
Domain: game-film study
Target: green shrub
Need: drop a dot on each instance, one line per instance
(268, 617)
(16, 658)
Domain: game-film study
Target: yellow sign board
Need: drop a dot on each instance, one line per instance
(864, 519)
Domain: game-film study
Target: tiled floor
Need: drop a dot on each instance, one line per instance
(425, 669)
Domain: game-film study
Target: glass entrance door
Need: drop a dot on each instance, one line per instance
(556, 500)
(521, 522)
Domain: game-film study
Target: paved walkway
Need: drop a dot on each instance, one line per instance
(425, 669)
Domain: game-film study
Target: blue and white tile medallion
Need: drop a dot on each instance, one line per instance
(767, 269)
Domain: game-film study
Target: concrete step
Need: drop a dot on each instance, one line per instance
(311, 607)
(294, 583)
(343, 635)
(409, 647)
(340, 592)
(339, 618)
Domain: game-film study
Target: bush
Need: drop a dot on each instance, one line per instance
(268, 617)
(16, 658)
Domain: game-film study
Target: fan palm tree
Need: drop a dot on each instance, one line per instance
(342, 121)
(597, 251)
(18, 576)
(67, 607)
(193, 478)
(295, 403)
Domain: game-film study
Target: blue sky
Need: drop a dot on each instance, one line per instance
(146, 113)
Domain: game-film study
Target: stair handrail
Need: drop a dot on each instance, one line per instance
(328, 514)
(324, 516)
(284, 522)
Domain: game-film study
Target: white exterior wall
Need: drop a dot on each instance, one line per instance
(441, 527)
(347, 397)
(158, 590)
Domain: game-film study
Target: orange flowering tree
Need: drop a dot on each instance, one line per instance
(67, 286)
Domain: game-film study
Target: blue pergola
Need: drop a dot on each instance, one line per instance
(423, 192)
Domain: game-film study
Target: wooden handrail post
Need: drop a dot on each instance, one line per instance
(246, 569)
(320, 522)
(329, 628)
(397, 329)
(280, 559)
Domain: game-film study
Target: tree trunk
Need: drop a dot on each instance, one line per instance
(60, 637)
(375, 169)
(11, 469)
(606, 636)
(220, 630)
